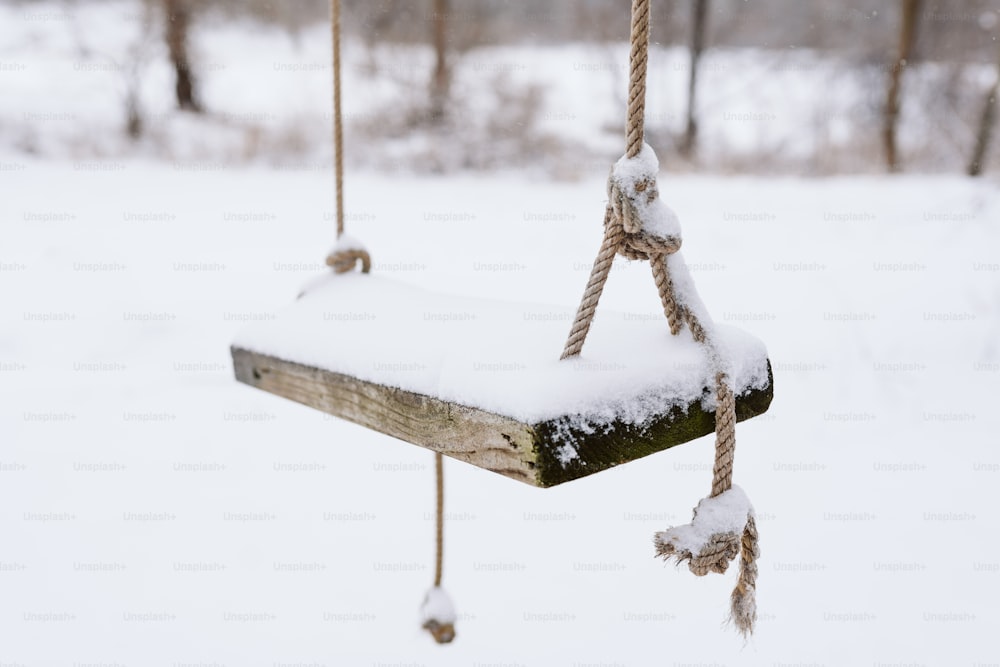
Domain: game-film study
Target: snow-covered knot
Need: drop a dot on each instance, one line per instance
(723, 527)
(346, 253)
(650, 228)
(713, 556)
(438, 615)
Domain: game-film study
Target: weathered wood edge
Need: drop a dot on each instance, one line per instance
(620, 443)
(484, 439)
(528, 453)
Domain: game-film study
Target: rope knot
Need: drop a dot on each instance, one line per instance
(722, 528)
(714, 555)
(650, 229)
(637, 225)
(438, 615)
(346, 254)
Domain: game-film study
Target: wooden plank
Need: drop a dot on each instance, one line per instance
(478, 437)
(529, 453)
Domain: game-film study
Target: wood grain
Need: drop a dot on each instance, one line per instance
(528, 453)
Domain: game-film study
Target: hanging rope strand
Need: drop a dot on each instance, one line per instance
(638, 60)
(595, 287)
(338, 121)
(619, 213)
(439, 537)
(346, 253)
(613, 229)
(437, 610)
(725, 436)
(630, 196)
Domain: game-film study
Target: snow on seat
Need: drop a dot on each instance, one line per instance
(481, 380)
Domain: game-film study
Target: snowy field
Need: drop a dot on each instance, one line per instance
(177, 517)
(153, 512)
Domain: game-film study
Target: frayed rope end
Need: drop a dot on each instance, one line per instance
(743, 603)
(438, 615)
(707, 551)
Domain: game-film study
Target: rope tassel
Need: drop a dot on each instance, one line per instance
(438, 615)
(744, 598)
(723, 525)
(709, 543)
(640, 226)
(437, 612)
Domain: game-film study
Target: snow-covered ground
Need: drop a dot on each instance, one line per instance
(155, 512)
(179, 517)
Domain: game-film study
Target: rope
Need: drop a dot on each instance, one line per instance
(595, 286)
(743, 605)
(623, 235)
(439, 537)
(638, 59)
(725, 436)
(439, 618)
(665, 286)
(341, 260)
(629, 199)
(338, 121)
(715, 556)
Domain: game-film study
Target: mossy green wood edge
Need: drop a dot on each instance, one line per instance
(621, 443)
(528, 453)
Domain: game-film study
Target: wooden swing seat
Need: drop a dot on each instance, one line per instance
(480, 380)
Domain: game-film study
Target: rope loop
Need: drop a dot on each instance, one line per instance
(714, 556)
(723, 527)
(344, 260)
(629, 210)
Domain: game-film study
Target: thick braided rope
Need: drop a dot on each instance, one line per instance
(721, 548)
(341, 260)
(624, 234)
(665, 286)
(725, 436)
(716, 555)
(613, 229)
(725, 408)
(638, 60)
(613, 236)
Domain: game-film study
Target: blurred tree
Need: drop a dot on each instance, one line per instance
(700, 13)
(907, 35)
(441, 78)
(986, 122)
(135, 62)
(178, 19)
(133, 110)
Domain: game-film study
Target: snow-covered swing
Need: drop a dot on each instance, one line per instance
(453, 375)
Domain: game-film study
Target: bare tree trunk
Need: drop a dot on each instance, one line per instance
(700, 9)
(985, 133)
(441, 79)
(907, 36)
(178, 16)
(133, 115)
(134, 65)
